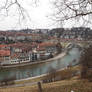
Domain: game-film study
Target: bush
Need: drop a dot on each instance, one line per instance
(54, 75)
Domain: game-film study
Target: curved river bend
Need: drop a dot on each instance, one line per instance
(39, 69)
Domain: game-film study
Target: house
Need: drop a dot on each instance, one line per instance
(34, 55)
(27, 52)
(24, 36)
(20, 52)
(44, 51)
(18, 58)
(4, 56)
(50, 47)
(2, 46)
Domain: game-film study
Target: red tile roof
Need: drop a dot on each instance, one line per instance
(1, 46)
(15, 34)
(24, 46)
(4, 52)
(46, 44)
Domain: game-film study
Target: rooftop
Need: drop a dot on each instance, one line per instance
(46, 44)
(4, 52)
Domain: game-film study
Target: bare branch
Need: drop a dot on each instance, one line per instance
(22, 11)
(72, 9)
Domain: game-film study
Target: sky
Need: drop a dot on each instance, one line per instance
(38, 16)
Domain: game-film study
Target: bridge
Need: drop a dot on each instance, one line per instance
(73, 44)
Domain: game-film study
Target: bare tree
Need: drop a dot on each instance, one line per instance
(21, 12)
(73, 10)
(86, 62)
(51, 75)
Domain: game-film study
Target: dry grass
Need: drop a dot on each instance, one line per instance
(63, 74)
(29, 80)
(61, 86)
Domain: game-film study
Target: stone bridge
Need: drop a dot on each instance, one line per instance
(72, 44)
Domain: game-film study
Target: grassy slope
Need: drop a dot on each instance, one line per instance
(61, 72)
(60, 86)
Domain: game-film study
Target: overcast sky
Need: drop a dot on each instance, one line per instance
(38, 16)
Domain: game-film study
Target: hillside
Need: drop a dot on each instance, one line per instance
(74, 84)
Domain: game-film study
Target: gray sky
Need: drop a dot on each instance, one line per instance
(38, 16)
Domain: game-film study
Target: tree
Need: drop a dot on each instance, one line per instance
(51, 75)
(78, 10)
(18, 6)
(86, 62)
(59, 47)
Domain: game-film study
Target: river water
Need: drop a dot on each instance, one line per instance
(35, 70)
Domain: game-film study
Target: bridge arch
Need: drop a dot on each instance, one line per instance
(71, 45)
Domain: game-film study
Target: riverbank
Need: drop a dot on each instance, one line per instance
(34, 80)
(61, 55)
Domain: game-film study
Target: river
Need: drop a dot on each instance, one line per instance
(35, 70)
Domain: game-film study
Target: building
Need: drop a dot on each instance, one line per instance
(4, 56)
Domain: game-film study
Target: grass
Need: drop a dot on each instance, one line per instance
(75, 83)
(60, 86)
(28, 81)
